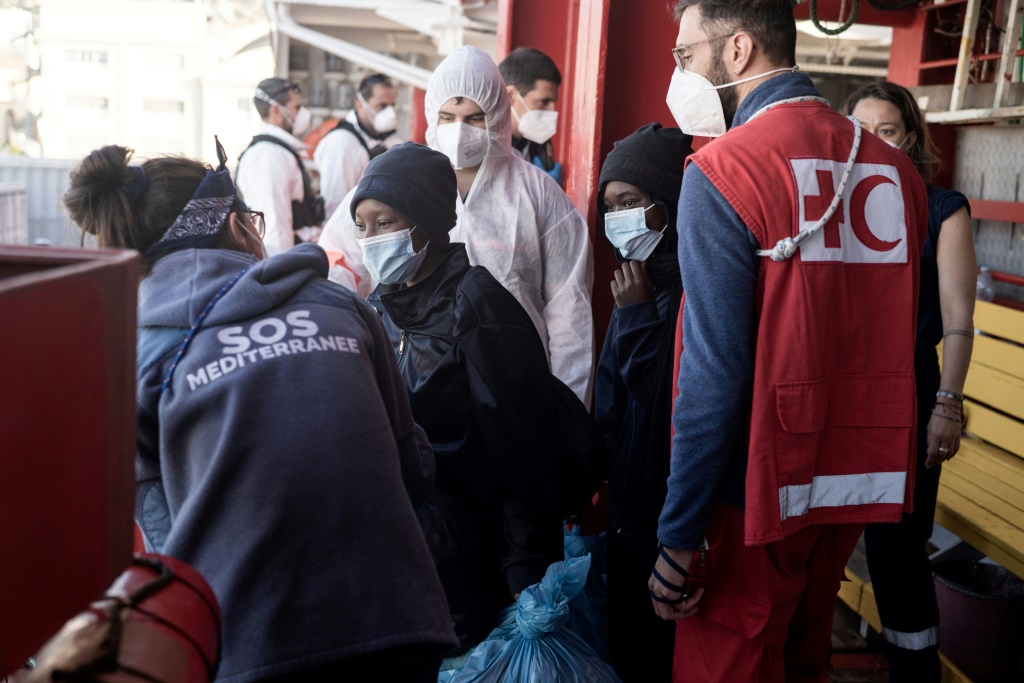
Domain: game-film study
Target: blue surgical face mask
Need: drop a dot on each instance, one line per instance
(390, 258)
(628, 232)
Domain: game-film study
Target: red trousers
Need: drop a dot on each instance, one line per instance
(767, 610)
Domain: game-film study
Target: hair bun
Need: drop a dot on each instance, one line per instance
(100, 189)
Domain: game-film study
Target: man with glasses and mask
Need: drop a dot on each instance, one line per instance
(799, 243)
(365, 133)
(273, 177)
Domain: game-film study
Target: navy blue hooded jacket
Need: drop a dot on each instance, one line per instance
(283, 463)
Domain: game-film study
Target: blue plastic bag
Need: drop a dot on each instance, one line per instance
(588, 611)
(531, 643)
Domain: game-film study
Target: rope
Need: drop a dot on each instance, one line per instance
(854, 11)
(786, 248)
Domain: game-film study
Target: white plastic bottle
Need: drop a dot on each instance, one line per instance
(986, 285)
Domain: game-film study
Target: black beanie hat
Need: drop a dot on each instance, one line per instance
(652, 158)
(418, 183)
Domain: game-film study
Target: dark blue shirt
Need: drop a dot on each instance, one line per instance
(941, 205)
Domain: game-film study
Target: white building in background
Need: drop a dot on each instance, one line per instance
(228, 85)
(160, 76)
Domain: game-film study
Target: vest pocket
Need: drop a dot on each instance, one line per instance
(843, 441)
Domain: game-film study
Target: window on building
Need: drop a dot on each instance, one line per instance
(163, 106)
(94, 102)
(87, 56)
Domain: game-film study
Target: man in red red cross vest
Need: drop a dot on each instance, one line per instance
(799, 241)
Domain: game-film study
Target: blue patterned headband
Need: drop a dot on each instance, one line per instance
(199, 223)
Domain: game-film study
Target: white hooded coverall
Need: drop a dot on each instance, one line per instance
(516, 222)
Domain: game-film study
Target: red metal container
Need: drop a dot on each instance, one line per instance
(67, 435)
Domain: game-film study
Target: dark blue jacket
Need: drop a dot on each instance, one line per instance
(281, 462)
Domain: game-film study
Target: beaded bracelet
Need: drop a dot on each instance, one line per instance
(950, 394)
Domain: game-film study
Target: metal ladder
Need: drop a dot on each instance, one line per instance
(1000, 108)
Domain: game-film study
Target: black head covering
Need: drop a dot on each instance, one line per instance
(651, 158)
(417, 182)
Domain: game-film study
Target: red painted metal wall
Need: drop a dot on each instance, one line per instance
(67, 436)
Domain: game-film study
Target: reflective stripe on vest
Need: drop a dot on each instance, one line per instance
(842, 490)
(919, 640)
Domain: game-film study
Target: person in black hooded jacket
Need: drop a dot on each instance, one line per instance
(476, 372)
(637, 202)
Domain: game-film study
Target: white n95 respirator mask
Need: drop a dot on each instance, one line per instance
(536, 125)
(695, 104)
(384, 120)
(463, 144)
(302, 123)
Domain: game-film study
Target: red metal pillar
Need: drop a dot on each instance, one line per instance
(907, 51)
(418, 117)
(588, 104)
(505, 8)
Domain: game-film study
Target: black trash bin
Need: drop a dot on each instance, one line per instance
(981, 609)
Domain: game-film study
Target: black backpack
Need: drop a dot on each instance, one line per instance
(310, 211)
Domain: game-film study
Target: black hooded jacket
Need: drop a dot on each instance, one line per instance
(480, 387)
(633, 386)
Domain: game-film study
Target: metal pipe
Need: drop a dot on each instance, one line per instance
(281, 21)
(975, 115)
(870, 71)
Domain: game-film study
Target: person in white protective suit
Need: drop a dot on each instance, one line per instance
(513, 218)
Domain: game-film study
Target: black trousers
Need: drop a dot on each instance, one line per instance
(640, 643)
(901, 573)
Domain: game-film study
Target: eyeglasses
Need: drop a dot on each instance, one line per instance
(259, 222)
(681, 60)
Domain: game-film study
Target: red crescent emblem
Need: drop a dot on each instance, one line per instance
(858, 201)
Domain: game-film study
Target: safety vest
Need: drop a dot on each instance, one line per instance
(832, 425)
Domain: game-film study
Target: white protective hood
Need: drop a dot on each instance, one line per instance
(516, 222)
(471, 73)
